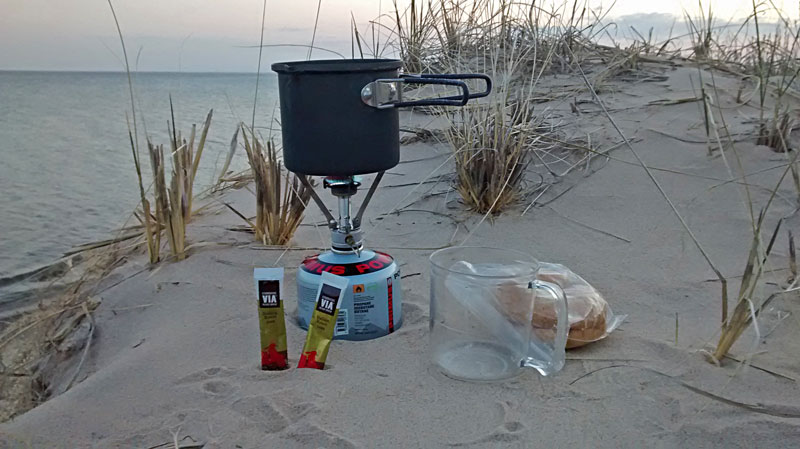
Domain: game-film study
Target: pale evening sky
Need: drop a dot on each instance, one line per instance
(208, 35)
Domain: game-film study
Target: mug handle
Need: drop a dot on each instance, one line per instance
(548, 360)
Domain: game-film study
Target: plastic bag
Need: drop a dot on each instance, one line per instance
(590, 316)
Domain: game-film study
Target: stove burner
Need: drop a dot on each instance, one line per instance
(346, 235)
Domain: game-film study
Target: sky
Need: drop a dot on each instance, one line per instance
(213, 35)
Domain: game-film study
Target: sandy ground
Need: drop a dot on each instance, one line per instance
(177, 347)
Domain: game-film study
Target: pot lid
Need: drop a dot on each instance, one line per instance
(337, 66)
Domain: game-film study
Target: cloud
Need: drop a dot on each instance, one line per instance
(660, 23)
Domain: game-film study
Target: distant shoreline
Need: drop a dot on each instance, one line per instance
(147, 72)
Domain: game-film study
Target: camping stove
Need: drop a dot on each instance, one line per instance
(372, 304)
(339, 119)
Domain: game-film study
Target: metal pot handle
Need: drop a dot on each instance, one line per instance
(460, 76)
(386, 93)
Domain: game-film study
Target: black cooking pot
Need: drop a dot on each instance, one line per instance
(339, 117)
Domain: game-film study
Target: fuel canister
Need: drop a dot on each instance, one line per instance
(372, 305)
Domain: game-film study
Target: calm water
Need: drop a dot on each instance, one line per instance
(67, 174)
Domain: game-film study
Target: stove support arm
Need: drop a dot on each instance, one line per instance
(372, 188)
(331, 221)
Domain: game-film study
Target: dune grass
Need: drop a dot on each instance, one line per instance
(414, 26)
(172, 206)
(516, 43)
(776, 68)
(747, 304)
(281, 198)
(768, 62)
(490, 158)
(750, 300)
(765, 56)
(150, 224)
(701, 29)
(494, 139)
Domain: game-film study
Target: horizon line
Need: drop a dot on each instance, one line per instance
(206, 72)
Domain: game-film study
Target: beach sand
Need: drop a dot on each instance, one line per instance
(176, 347)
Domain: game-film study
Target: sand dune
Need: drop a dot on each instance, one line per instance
(177, 347)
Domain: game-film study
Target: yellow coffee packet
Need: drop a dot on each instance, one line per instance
(269, 288)
(330, 295)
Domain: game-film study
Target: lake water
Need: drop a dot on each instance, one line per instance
(67, 175)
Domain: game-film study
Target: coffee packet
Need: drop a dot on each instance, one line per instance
(269, 288)
(323, 321)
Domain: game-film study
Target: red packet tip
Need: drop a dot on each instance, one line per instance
(272, 359)
(309, 360)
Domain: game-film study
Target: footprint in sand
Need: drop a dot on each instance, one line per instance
(295, 405)
(297, 411)
(507, 432)
(205, 374)
(311, 435)
(218, 388)
(260, 409)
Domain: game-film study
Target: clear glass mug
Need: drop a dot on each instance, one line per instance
(482, 309)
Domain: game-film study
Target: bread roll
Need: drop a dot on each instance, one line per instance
(587, 310)
(515, 301)
(581, 332)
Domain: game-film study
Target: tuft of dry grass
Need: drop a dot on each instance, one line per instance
(169, 201)
(747, 305)
(491, 154)
(150, 224)
(414, 27)
(750, 301)
(479, 33)
(281, 197)
(767, 59)
(701, 31)
(172, 208)
(774, 132)
(775, 61)
(189, 159)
